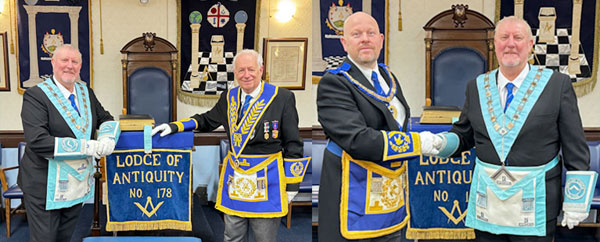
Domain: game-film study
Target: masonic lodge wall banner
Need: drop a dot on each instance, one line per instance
(566, 36)
(329, 52)
(42, 26)
(211, 32)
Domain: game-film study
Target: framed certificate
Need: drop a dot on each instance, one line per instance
(285, 62)
(4, 77)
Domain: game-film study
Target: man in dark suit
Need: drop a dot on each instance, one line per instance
(60, 117)
(364, 115)
(518, 116)
(270, 115)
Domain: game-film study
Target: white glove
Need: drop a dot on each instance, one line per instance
(291, 195)
(428, 143)
(165, 129)
(572, 219)
(92, 148)
(108, 146)
(438, 142)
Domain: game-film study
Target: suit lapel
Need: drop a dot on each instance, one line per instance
(399, 95)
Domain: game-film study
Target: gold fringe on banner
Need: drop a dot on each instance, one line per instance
(149, 225)
(412, 233)
(197, 99)
(586, 86)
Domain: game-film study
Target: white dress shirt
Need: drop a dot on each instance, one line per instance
(502, 81)
(66, 92)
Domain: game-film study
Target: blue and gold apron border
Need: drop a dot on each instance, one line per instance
(295, 168)
(345, 203)
(277, 199)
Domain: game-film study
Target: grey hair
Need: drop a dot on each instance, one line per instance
(517, 20)
(259, 59)
(66, 47)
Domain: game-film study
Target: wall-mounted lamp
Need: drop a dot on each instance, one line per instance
(285, 11)
(144, 1)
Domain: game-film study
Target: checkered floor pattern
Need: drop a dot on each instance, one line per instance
(219, 76)
(555, 55)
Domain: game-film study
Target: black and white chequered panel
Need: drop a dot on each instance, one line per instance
(333, 61)
(220, 75)
(555, 55)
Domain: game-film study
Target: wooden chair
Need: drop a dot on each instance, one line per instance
(149, 78)
(458, 47)
(13, 191)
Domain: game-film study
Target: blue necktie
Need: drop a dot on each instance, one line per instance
(375, 80)
(246, 104)
(72, 99)
(509, 94)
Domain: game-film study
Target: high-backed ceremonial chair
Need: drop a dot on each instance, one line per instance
(149, 78)
(13, 191)
(458, 47)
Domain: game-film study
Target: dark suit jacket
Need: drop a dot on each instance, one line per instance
(553, 124)
(354, 121)
(41, 124)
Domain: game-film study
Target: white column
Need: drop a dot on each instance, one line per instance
(240, 37)
(195, 76)
(574, 62)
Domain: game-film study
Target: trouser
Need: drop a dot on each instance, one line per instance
(264, 229)
(489, 237)
(49, 225)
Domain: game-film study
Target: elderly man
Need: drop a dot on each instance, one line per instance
(519, 117)
(365, 116)
(60, 117)
(262, 123)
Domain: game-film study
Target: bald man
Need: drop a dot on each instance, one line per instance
(520, 116)
(365, 116)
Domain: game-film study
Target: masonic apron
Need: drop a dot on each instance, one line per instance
(373, 200)
(253, 186)
(69, 173)
(509, 199)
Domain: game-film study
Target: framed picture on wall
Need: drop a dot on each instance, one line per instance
(4, 80)
(285, 62)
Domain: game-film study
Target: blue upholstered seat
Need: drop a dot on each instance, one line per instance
(12, 191)
(150, 93)
(451, 69)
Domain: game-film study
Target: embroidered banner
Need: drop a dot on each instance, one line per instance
(329, 52)
(42, 26)
(216, 26)
(438, 196)
(150, 191)
(556, 26)
(438, 193)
